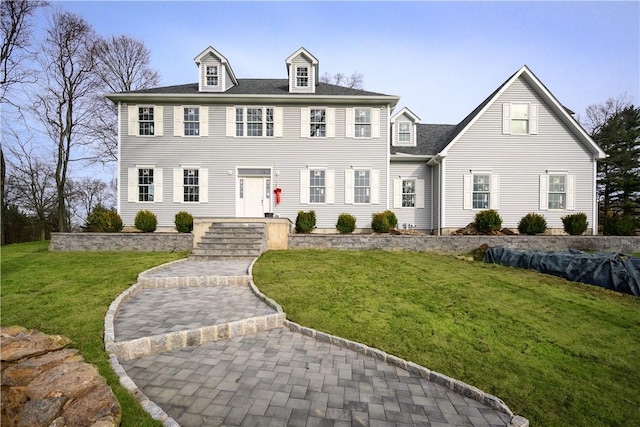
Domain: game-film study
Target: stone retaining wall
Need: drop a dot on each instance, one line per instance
(463, 244)
(148, 242)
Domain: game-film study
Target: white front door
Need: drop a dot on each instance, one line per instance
(251, 201)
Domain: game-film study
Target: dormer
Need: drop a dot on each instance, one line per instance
(403, 126)
(214, 72)
(302, 69)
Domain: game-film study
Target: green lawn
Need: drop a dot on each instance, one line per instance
(68, 293)
(558, 353)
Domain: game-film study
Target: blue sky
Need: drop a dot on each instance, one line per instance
(441, 58)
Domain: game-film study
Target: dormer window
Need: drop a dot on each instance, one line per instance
(404, 132)
(212, 75)
(302, 76)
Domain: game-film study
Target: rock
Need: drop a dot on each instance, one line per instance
(25, 371)
(44, 384)
(41, 412)
(18, 343)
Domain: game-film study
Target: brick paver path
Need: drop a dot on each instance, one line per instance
(275, 377)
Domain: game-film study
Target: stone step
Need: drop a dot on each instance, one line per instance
(231, 239)
(227, 252)
(235, 232)
(230, 245)
(203, 257)
(237, 224)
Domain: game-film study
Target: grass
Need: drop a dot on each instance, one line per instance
(558, 353)
(68, 293)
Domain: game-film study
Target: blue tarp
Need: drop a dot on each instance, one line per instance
(613, 271)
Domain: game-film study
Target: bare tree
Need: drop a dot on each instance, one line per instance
(87, 193)
(64, 103)
(597, 115)
(15, 25)
(122, 64)
(31, 182)
(354, 81)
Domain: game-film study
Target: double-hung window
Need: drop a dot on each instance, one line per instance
(191, 185)
(145, 185)
(302, 76)
(557, 192)
(317, 186)
(519, 118)
(361, 186)
(317, 123)
(212, 75)
(191, 121)
(409, 193)
(481, 191)
(254, 121)
(146, 121)
(404, 132)
(362, 126)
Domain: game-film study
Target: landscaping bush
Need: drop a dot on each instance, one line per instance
(305, 222)
(532, 223)
(184, 222)
(103, 220)
(146, 221)
(619, 225)
(346, 223)
(393, 220)
(575, 224)
(380, 222)
(488, 221)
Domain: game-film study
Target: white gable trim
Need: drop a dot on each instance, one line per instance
(549, 99)
(210, 50)
(408, 113)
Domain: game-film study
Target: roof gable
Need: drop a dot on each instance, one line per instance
(309, 57)
(407, 112)
(544, 93)
(211, 51)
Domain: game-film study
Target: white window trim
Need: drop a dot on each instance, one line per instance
(570, 191)
(329, 185)
(178, 121)
(178, 184)
(397, 192)
(411, 141)
(231, 121)
(349, 186)
(134, 128)
(206, 75)
(532, 118)
(305, 122)
(133, 188)
(494, 190)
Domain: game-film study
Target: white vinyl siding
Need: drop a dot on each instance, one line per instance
(134, 114)
(134, 184)
(180, 181)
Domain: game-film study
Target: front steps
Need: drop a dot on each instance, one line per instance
(231, 240)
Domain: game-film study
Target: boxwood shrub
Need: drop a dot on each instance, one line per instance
(532, 223)
(103, 220)
(146, 221)
(346, 223)
(380, 222)
(184, 222)
(305, 222)
(575, 224)
(488, 221)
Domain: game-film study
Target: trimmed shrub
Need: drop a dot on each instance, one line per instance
(532, 223)
(305, 222)
(488, 221)
(380, 222)
(575, 224)
(619, 225)
(393, 220)
(184, 222)
(103, 220)
(146, 221)
(346, 223)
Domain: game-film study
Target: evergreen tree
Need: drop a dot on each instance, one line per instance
(619, 173)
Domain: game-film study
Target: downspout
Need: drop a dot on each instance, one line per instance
(594, 225)
(388, 153)
(442, 194)
(118, 199)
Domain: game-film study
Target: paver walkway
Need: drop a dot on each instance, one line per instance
(275, 377)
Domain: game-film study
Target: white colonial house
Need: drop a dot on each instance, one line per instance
(225, 147)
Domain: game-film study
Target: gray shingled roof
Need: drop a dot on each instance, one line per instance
(430, 140)
(260, 87)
